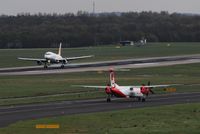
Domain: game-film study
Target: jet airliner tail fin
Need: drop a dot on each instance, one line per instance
(59, 50)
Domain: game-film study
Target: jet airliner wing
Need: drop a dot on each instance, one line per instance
(80, 57)
(32, 59)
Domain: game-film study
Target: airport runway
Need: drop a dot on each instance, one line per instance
(105, 65)
(13, 114)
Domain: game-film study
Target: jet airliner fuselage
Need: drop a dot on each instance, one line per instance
(53, 58)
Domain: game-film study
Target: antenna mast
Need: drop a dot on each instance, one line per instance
(93, 7)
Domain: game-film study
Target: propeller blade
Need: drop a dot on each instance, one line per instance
(149, 83)
(151, 91)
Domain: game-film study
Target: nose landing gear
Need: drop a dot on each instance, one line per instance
(62, 66)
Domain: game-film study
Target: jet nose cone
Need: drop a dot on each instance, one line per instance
(46, 56)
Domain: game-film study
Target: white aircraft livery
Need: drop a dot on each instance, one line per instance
(53, 58)
(113, 89)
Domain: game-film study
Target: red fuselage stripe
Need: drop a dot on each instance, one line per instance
(117, 92)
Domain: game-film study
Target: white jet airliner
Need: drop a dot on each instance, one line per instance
(53, 58)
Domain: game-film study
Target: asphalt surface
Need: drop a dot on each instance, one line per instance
(105, 65)
(13, 114)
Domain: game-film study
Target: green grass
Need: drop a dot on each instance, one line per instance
(174, 119)
(19, 86)
(8, 57)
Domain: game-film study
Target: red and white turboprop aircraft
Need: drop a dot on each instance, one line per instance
(140, 92)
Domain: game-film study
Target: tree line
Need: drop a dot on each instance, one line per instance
(86, 29)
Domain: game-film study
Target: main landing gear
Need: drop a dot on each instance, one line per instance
(45, 66)
(141, 99)
(109, 98)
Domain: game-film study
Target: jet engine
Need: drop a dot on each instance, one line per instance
(39, 62)
(65, 61)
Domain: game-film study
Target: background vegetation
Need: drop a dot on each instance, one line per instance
(84, 29)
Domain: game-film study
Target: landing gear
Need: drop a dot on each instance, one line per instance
(45, 66)
(143, 100)
(62, 66)
(109, 98)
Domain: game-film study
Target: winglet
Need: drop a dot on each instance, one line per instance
(59, 50)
